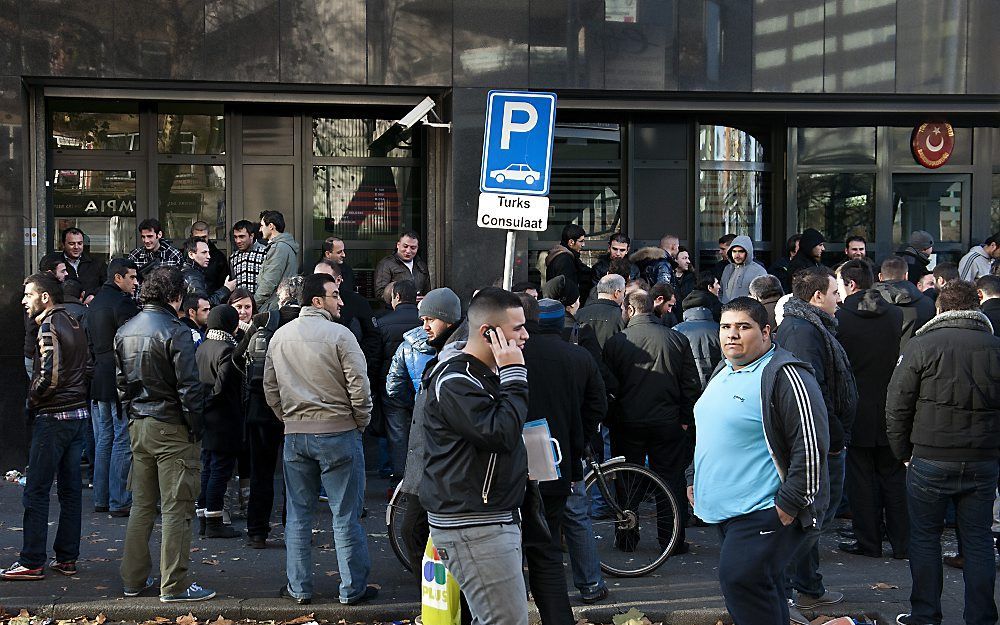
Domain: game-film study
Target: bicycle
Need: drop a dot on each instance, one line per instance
(635, 533)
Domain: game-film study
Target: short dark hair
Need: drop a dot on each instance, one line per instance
(46, 283)
(807, 281)
(893, 268)
(273, 218)
(72, 289)
(993, 238)
(532, 311)
(246, 224)
(660, 289)
(409, 234)
(74, 230)
(405, 290)
(749, 306)
(198, 225)
(858, 271)
(856, 237)
(191, 301)
(315, 286)
(792, 242)
(946, 271)
(990, 285)
(571, 232)
(191, 245)
(640, 300)
(957, 295)
(328, 243)
(489, 303)
(521, 287)
(120, 267)
(337, 270)
(151, 224)
(726, 239)
(620, 237)
(51, 261)
(706, 279)
(242, 293)
(622, 267)
(763, 287)
(163, 285)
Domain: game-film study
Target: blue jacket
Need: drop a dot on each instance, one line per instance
(407, 366)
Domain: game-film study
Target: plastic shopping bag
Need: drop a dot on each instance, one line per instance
(440, 598)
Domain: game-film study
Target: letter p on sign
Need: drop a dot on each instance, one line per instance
(517, 143)
(508, 125)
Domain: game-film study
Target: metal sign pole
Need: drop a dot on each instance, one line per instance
(508, 261)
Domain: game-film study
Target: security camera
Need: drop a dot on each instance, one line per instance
(416, 115)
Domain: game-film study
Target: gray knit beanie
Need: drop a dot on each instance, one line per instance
(441, 304)
(920, 240)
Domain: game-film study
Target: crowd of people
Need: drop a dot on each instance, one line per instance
(770, 399)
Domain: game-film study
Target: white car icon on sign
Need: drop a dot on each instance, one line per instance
(517, 171)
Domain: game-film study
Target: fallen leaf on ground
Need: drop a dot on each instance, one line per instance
(159, 620)
(299, 620)
(101, 618)
(222, 621)
(187, 619)
(332, 573)
(210, 562)
(195, 549)
(884, 586)
(100, 587)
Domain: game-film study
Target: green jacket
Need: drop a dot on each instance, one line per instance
(281, 260)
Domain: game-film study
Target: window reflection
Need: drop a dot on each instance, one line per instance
(995, 205)
(838, 205)
(371, 202)
(190, 130)
(189, 193)
(102, 203)
(360, 138)
(724, 143)
(933, 205)
(94, 126)
(733, 201)
(836, 146)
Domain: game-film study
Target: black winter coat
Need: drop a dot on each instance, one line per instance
(223, 420)
(257, 410)
(90, 273)
(916, 264)
(704, 299)
(657, 376)
(108, 311)
(800, 261)
(391, 327)
(604, 316)
(684, 287)
(584, 336)
(944, 399)
(196, 282)
(217, 271)
(917, 309)
(991, 308)
(563, 261)
(157, 373)
(603, 266)
(703, 333)
(870, 329)
(566, 390)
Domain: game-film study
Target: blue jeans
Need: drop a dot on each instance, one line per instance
(930, 485)
(397, 429)
(55, 451)
(579, 534)
(112, 457)
(803, 568)
(331, 460)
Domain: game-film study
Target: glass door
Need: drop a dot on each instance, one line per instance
(938, 204)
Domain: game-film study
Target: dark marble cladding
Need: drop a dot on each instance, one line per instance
(715, 45)
(241, 40)
(162, 39)
(931, 43)
(470, 245)
(10, 38)
(567, 44)
(67, 38)
(982, 75)
(324, 41)
(491, 43)
(409, 42)
(860, 47)
(13, 423)
(788, 46)
(642, 55)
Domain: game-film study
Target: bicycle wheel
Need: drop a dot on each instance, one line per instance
(638, 539)
(394, 523)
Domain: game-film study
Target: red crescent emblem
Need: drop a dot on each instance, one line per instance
(932, 143)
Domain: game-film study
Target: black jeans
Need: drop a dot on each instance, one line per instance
(546, 575)
(755, 550)
(931, 484)
(264, 439)
(668, 457)
(55, 451)
(216, 469)
(876, 481)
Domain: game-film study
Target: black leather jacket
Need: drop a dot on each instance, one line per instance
(195, 281)
(157, 372)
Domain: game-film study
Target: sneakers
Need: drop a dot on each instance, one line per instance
(795, 616)
(193, 593)
(135, 592)
(906, 619)
(593, 596)
(807, 602)
(17, 571)
(66, 568)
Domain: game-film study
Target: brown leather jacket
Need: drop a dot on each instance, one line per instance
(63, 365)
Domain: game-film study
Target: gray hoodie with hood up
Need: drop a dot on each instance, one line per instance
(736, 279)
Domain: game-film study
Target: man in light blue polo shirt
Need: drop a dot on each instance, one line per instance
(759, 468)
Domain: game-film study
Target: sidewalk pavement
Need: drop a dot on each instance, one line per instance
(684, 590)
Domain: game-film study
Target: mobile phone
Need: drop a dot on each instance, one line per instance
(486, 334)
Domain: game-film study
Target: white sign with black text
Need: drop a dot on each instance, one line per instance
(513, 212)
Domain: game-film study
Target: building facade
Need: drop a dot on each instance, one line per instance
(694, 117)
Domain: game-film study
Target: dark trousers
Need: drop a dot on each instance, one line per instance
(668, 457)
(546, 575)
(755, 550)
(264, 439)
(931, 484)
(216, 469)
(55, 451)
(876, 481)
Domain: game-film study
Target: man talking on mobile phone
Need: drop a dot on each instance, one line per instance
(476, 468)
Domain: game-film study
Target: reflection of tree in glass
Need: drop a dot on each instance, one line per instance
(838, 205)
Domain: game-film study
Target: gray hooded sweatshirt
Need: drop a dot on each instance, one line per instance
(736, 279)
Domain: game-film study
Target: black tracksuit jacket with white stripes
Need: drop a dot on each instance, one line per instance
(797, 433)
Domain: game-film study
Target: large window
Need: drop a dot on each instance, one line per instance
(102, 203)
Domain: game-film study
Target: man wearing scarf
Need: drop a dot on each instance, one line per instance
(808, 330)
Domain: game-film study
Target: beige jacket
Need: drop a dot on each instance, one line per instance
(315, 376)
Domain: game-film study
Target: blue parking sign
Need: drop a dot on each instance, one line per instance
(517, 147)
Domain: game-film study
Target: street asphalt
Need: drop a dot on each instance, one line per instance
(684, 590)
